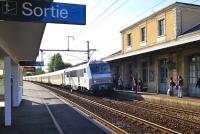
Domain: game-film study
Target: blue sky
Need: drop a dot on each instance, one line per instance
(103, 32)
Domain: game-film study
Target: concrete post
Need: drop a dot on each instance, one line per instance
(7, 90)
(20, 86)
(16, 86)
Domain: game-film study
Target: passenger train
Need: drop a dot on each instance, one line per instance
(94, 77)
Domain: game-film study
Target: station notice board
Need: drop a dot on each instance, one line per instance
(29, 69)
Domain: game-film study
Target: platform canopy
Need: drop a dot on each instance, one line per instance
(20, 40)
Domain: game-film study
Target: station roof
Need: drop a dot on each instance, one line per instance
(20, 40)
(193, 29)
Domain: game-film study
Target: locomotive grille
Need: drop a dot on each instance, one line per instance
(100, 81)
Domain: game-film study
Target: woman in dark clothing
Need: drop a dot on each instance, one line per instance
(134, 86)
(140, 85)
(171, 84)
(180, 86)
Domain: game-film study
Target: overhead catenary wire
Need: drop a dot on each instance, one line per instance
(157, 4)
(101, 14)
(66, 54)
(98, 3)
(146, 11)
(104, 12)
(194, 1)
(116, 10)
(76, 57)
(113, 11)
(47, 56)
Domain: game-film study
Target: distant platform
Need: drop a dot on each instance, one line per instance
(188, 103)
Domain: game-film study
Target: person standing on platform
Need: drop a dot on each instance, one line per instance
(171, 87)
(140, 85)
(134, 86)
(120, 83)
(180, 86)
(198, 84)
(115, 82)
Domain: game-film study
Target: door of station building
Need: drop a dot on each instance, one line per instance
(145, 73)
(194, 75)
(163, 84)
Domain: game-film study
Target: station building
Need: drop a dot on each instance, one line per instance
(163, 45)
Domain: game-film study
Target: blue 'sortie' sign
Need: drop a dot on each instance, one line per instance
(41, 11)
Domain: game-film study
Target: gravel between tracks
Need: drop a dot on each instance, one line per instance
(156, 117)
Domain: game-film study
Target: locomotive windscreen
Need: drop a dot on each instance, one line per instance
(100, 68)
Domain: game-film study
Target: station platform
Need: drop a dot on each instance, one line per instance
(188, 103)
(43, 113)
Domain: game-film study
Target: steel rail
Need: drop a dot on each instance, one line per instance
(153, 111)
(172, 108)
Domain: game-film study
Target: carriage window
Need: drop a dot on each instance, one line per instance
(73, 74)
(68, 74)
(99, 68)
(81, 73)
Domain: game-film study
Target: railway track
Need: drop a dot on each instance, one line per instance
(194, 118)
(153, 115)
(190, 116)
(121, 119)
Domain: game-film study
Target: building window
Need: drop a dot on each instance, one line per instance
(143, 34)
(161, 27)
(129, 39)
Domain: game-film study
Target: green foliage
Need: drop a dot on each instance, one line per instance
(27, 74)
(51, 64)
(56, 63)
(38, 71)
(66, 65)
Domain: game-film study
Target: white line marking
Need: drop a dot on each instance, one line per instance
(96, 122)
(54, 120)
(52, 116)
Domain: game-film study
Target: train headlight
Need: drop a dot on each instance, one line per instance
(95, 81)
